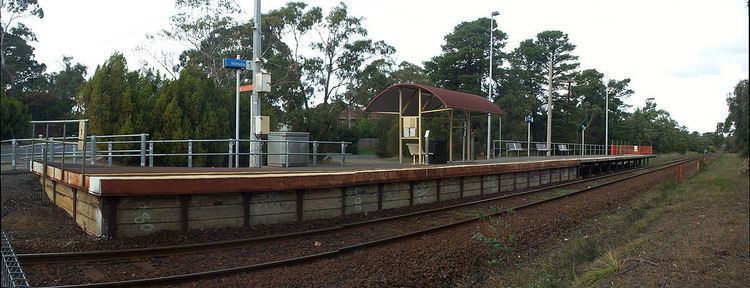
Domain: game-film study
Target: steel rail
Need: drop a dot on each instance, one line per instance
(162, 250)
(350, 248)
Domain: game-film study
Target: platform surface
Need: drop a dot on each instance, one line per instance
(134, 180)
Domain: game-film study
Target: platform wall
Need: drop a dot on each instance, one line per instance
(142, 215)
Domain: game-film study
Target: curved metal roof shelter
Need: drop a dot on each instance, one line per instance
(434, 99)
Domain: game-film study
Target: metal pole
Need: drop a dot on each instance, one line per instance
(583, 141)
(489, 95)
(343, 153)
(254, 100)
(33, 147)
(315, 153)
(500, 136)
(427, 150)
(62, 166)
(143, 150)
(151, 154)
(549, 108)
(14, 145)
(606, 115)
(93, 150)
(44, 168)
(190, 153)
(109, 153)
(286, 153)
(463, 142)
(237, 117)
(229, 156)
(528, 139)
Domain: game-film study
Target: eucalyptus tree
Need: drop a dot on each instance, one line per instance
(558, 63)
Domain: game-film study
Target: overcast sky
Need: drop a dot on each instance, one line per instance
(686, 54)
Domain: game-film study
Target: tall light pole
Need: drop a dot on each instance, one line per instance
(549, 107)
(489, 95)
(255, 160)
(606, 117)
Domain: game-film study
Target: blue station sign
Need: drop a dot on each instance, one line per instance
(233, 63)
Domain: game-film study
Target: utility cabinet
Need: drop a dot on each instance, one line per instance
(277, 149)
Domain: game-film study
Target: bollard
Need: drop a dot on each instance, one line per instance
(286, 153)
(93, 150)
(151, 154)
(315, 153)
(109, 153)
(190, 153)
(14, 145)
(343, 153)
(143, 150)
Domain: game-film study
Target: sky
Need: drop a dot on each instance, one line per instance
(688, 55)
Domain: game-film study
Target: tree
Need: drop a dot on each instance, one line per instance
(103, 99)
(558, 62)
(16, 56)
(14, 119)
(20, 71)
(203, 26)
(409, 73)
(343, 49)
(739, 115)
(64, 86)
(520, 88)
(464, 62)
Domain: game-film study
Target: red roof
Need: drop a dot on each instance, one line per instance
(387, 100)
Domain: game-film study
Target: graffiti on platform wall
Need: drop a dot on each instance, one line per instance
(357, 200)
(142, 216)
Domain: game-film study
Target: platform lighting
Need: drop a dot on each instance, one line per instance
(489, 95)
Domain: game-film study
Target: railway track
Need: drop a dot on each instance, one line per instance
(168, 250)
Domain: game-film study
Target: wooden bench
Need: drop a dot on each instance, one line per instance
(563, 148)
(514, 146)
(541, 147)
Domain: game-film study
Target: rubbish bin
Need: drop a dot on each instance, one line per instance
(439, 151)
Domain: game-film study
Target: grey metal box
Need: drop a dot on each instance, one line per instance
(276, 150)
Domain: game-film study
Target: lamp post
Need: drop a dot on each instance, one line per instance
(489, 95)
(606, 117)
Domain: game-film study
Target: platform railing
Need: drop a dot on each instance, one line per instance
(104, 149)
(501, 148)
(12, 273)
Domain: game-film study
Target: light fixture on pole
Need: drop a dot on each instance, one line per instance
(489, 94)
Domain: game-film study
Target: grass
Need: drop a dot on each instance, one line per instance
(609, 264)
(595, 251)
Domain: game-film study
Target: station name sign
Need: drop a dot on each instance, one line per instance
(233, 63)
